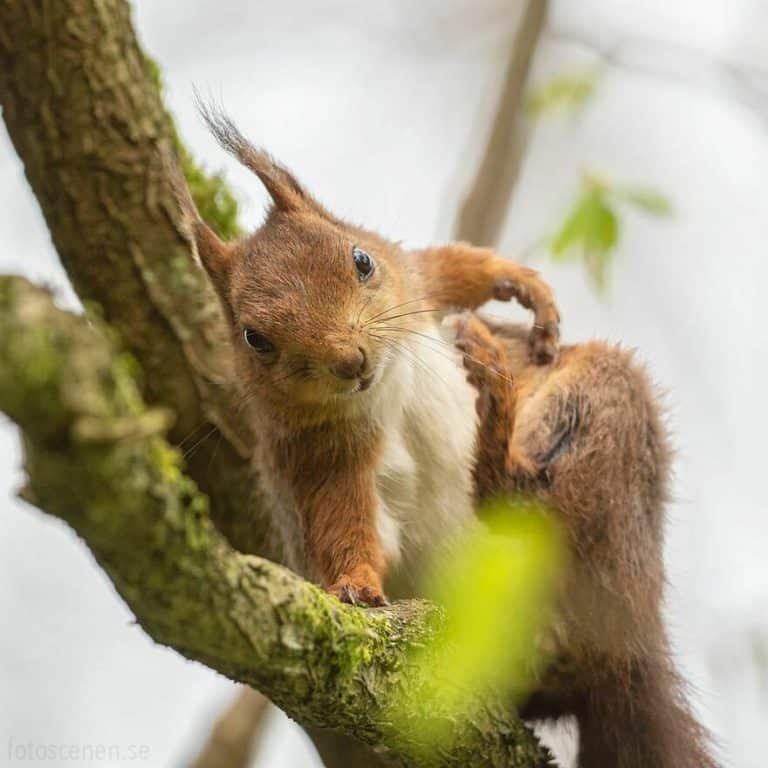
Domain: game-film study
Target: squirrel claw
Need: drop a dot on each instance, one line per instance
(544, 343)
(353, 594)
(545, 334)
(506, 290)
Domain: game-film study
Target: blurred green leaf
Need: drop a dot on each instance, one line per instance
(572, 231)
(565, 92)
(646, 199)
(591, 231)
(602, 230)
(498, 588)
(592, 227)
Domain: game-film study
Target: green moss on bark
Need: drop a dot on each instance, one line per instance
(84, 112)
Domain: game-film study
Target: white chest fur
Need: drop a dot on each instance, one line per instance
(424, 476)
(426, 412)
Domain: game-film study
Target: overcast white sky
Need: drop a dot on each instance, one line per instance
(378, 108)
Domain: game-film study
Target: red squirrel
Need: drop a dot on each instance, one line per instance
(373, 442)
(365, 419)
(584, 435)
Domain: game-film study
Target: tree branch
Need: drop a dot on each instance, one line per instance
(120, 486)
(233, 739)
(84, 112)
(482, 214)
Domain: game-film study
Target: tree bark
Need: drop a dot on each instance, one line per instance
(96, 458)
(83, 110)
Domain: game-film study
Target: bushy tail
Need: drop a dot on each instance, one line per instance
(641, 720)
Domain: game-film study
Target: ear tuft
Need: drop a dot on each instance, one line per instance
(286, 193)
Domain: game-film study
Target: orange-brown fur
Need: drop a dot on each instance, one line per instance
(584, 436)
(337, 497)
(294, 282)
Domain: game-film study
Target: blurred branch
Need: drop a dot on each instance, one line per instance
(233, 738)
(482, 214)
(147, 524)
(677, 63)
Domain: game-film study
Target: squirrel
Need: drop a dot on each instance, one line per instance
(374, 442)
(366, 421)
(584, 435)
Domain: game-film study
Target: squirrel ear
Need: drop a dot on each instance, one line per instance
(214, 254)
(286, 193)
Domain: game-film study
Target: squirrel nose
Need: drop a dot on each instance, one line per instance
(351, 365)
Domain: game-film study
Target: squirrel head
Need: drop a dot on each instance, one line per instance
(304, 293)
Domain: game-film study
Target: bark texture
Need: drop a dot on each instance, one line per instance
(96, 457)
(83, 110)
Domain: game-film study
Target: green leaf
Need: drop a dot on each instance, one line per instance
(572, 231)
(602, 230)
(592, 224)
(590, 230)
(646, 199)
(562, 93)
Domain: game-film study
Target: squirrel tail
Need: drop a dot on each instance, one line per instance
(639, 718)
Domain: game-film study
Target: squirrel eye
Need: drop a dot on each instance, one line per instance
(363, 263)
(258, 342)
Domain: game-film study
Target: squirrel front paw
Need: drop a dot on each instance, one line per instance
(359, 590)
(532, 293)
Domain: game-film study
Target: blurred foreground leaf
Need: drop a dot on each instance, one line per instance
(498, 588)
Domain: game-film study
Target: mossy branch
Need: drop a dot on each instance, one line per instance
(83, 108)
(123, 490)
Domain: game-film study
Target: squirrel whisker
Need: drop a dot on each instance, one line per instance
(403, 348)
(208, 434)
(405, 314)
(475, 360)
(432, 295)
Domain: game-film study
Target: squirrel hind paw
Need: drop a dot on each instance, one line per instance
(484, 354)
